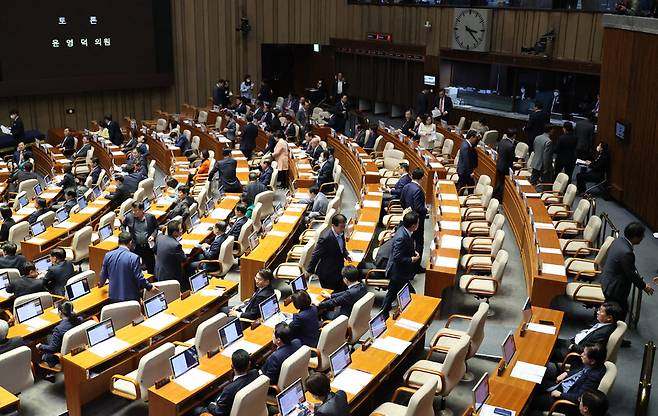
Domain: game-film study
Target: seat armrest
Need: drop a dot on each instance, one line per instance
(129, 380)
(414, 369)
(561, 403)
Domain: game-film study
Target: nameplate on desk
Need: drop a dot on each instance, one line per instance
(220, 213)
(532, 195)
(391, 344)
(450, 225)
(442, 261)
(409, 324)
(557, 269)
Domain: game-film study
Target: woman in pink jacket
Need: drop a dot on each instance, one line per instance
(282, 154)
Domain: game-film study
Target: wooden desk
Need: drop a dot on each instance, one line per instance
(8, 402)
(88, 375)
(203, 231)
(33, 247)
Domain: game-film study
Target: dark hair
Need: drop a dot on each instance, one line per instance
(568, 126)
(613, 309)
(253, 176)
(205, 154)
(548, 127)
(10, 248)
(119, 178)
(326, 153)
(314, 189)
(66, 308)
(41, 203)
(130, 168)
(6, 213)
(634, 230)
(184, 189)
(318, 384)
(125, 238)
(417, 174)
(13, 111)
(405, 166)
(241, 208)
(250, 118)
(28, 266)
(539, 105)
(410, 219)
(28, 166)
(350, 273)
(596, 353)
(227, 152)
(471, 133)
(108, 117)
(338, 219)
(172, 182)
(138, 205)
(58, 253)
(266, 161)
(71, 193)
(595, 401)
(283, 332)
(240, 360)
(301, 300)
(266, 274)
(511, 132)
(172, 227)
(221, 225)
(604, 147)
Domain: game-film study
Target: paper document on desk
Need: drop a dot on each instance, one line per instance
(408, 324)
(109, 347)
(532, 194)
(250, 347)
(315, 299)
(356, 256)
(544, 329)
(367, 224)
(4, 129)
(450, 225)
(549, 250)
(544, 226)
(557, 269)
(371, 204)
(277, 233)
(449, 209)
(442, 261)
(451, 241)
(201, 229)
(189, 242)
(194, 379)
(489, 410)
(391, 344)
(89, 210)
(36, 323)
(351, 381)
(524, 182)
(212, 292)
(449, 197)
(528, 372)
(159, 321)
(288, 219)
(5, 295)
(220, 213)
(296, 208)
(361, 236)
(38, 241)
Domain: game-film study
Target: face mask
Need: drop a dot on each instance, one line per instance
(522, 90)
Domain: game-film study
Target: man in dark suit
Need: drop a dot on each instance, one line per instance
(68, 180)
(444, 105)
(249, 309)
(21, 175)
(404, 179)
(59, 272)
(121, 193)
(339, 88)
(21, 156)
(240, 220)
(341, 302)
(183, 141)
(28, 283)
(68, 143)
(537, 119)
(253, 188)
(619, 271)
(330, 254)
(422, 102)
(7, 223)
(41, 208)
(132, 179)
(286, 346)
(571, 385)
(8, 344)
(326, 172)
(330, 403)
(266, 116)
(114, 130)
(584, 131)
(219, 94)
(169, 256)
(403, 262)
(227, 168)
(565, 150)
(542, 162)
(607, 316)
(340, 114)
(266, 171)
(82, 151)
(305, 325)
(248, 138)
(408, 126)
(182, 205)
(10, 260)
(95, 171)
(17, 127)
(143, 228)
(242, 376)
(413, 196)
(314, 150)
(241, 107)
(211, 251)
(468, 160)
(505, 161)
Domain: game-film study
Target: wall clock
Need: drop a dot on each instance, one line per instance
(471, 30)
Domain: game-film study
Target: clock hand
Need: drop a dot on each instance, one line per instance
(468, 29)
(472, 35)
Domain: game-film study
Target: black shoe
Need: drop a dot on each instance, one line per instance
(626, 343)
(49, 377)
(420, 270)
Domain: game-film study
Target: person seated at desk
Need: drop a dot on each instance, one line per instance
(95, 171)
(132, 141)
(68, 142)
(7, 223)
(227, 168)
(204, 166)
(182, 206)
(597, 168)
(53, 344)
(69, 201)
(326, 172)
(242, 376)
(8, 344)
(314, 150)
(103, 130)
(21, 175)
(10, 260)
(396, 191)
(183, 142)
(121, 192)
(240, 220)
(253, 188)
(21, 156)
(250, 309)
(285, 347)
(132, 178)
(428, 128)
(41, 208)
(318, 203)
(572, 384)
(607, 316)
(592, 403)
(174, 127)
(372, 138)
(82, 151)
(28, 283)
(342, 302)
(305, 325)
(68, 180)
(59, 272)
(331, 404)
(408, 126)
(211, 251)
(169, 255)
(266, 172)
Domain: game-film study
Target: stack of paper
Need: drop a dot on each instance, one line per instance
(544, 226)
(449, 197)
(391, 344)
(449, 262)
(557, 269)
(109, 347)
(450, 225)
(214, 292)
(220, 213)
(159, 321)
(288, 219)
(408, 324)
(451, 241)
(449, 209)
(277, 233)
(357, 257)
(194, 379)
(544, 329)
(371, 204)
(528, 372)
(35, 323)
(351, 381)
(250, 347)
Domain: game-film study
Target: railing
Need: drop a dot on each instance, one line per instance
(607, 223)
(644, 389)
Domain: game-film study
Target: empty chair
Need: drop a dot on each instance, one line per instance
(17, 233)
(148, 186)
(558, 187)
(460, 125)
(79, 249)
(46, 300)
(48, 218)
(290, 270)
(170, 288)
(121, 313)
(257, 217)
(161, 125)
(359, 320)
(490, 138)
(480, 261)
(16, 374)
(27, 186)
(481, 227)
(139, 195)
(446, 151)
(521, 154)
(73, 338)
(205, 338)
(332, 336)
(478, 189)
(581, 267)
(242, 245)
(420, 403)
(203, 117)
(560, 209)
(297, 250)
(485, 286)
(293, 368)
(590, 235)
(481, 244)
(267, 199)
(153, 366)
(477, 210)
(251, 399)
(571, 226)
(589, 294)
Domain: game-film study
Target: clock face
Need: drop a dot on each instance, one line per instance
(470, 29)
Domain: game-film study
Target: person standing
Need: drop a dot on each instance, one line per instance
(413, 196)
(227, 168)
(565, 150)
(339, 88)
(281, 154)
(468, 160)
(143, 228)
(444, 105)
(340, 114)
(248, 137)
(219, 94)
(542, 163)
(422, 102)
(584, 131)
(17, 127)
(124, 271)
(537, 119)
(330, 254)
(114, 131)
(505, 162)
(597, 168)
(404, 260)
(247, 88)
(169, 256)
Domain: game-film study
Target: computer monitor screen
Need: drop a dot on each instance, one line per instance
(147, 204)
(22, 201)
(253, 240)
(29, 310)
(155, 304)
(621, 130)
(527, 310)
(105, 231)
(194, 219)
(230, 333)
(97, 191)
(100, 332)
(4, 280)
(198, 281)
(210, 205)
(279, 208)
(481, 392)
(509, 348)
(267, 224)
(37, 189)
(378, 325)
(340, 359)
(269, 307)
(77, 289)
(299, 284)
(184, 361)
(62, 214)
(82, 202)
(42, 264)
(404, 297)
(47, 179)
(429, 80)
(38, 228)
(290, 399)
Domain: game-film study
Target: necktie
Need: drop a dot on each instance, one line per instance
(441, 106)
(341, 242)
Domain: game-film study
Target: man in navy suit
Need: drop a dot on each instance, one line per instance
(17, 127)
(183, 142)
(285, 347)
(537, 119)
(21, 156)
(68, 143)
(326, 173)
(240, 221)
(114, 130)
(413, 196)
(264, 290)
(403, 262)
(329, 403)
(305, 325)
(248, 138)
(330, 254)
(211, 251)
(242, 376)
(82, 151)
(95, 172)
(468, 159)
(266, 172)
(396, 191)
(341, 303)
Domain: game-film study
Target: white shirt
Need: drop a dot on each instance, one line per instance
(339, 87)
(585, 332)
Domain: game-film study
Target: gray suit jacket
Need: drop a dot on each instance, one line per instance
(169, 257)
(619, 272)
(543, 148)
